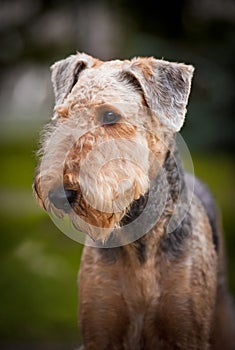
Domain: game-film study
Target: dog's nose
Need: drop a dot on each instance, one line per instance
(62, 198)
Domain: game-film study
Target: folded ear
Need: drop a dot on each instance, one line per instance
(65, 74)
(166, 87)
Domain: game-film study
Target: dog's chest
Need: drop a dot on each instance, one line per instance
(141, 288)
(141, 291)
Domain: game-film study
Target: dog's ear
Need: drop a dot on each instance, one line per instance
(166, 87)
(64, 74)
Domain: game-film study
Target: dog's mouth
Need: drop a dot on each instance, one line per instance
(104, 227)
(67, 199)
(97, 219)
(71, 202)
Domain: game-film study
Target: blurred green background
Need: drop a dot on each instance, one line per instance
(38, 293)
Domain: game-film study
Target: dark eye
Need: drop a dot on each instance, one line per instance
(110, 118)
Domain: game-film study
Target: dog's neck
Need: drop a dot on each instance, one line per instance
(171, 177)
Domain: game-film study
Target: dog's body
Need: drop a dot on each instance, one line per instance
(105, 159)
(155, 295)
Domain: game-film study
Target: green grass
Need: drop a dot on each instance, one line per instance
(39, 264)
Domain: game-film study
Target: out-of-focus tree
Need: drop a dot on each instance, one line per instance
(36, 33)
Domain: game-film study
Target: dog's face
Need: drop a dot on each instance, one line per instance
(112, 125)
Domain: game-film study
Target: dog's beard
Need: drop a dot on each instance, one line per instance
(110, 178)
(101, 203)
(101, 211)
(104, 227)
(109, 174)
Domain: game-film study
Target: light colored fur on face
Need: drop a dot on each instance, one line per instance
(110, 165)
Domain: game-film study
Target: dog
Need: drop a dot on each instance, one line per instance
(152, 274)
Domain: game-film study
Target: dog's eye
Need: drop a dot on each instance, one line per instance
(110, 118)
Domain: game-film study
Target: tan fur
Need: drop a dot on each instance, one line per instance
(170, 297)
(163, 297)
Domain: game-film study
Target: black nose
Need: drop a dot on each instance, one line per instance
(63, 199)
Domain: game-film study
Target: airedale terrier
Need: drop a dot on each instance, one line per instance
(152, 274)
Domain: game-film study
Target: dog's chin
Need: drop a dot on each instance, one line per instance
(97, 225)
(98, 235)
(108, 227)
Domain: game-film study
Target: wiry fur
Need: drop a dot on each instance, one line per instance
(167, 289)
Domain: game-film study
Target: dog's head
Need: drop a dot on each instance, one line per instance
(112, 125)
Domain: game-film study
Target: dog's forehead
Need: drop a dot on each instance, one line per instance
(101, 71)
(103, 81)
(108, 66)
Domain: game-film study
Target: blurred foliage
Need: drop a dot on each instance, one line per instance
(38, 264)
(198, 32)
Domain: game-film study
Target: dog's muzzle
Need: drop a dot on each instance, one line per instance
(62, 198)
